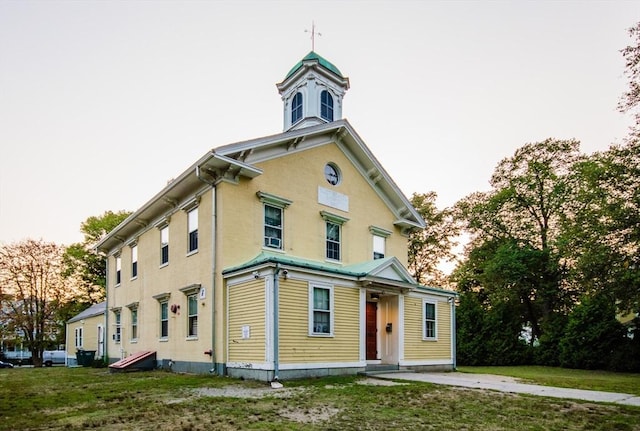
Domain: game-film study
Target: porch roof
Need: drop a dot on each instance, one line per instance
(379, 271)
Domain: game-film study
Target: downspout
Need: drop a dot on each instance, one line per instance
(214, 231)
(276, 334)
(105, 358)
(214, 235)
(453, 331)
(66, 343)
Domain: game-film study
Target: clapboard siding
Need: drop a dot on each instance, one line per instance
(296, 346)
(246, 308)
(415, 347)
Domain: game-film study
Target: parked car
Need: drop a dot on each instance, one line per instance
(6, 365)
(51, 357)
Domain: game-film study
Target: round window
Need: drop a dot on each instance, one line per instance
(332, 174)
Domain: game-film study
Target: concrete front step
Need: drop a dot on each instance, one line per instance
(382, 369)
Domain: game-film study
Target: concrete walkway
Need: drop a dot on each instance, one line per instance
(510, 384)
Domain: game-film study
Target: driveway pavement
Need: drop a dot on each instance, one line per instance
(509, 384)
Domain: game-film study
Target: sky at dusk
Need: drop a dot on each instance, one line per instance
(103, 102)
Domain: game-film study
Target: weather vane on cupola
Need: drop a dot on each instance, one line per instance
(313, 35)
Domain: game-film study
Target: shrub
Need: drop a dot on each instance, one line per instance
(489, 335)
(593, 334)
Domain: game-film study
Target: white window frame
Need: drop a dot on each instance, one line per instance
(164, 242)
(192, 328)
(267, 199)
(134, 323)
(312, 310)
(164, 303)
(134, 261)
(117, 319)
(192, 230)
(379, 247)
(192, 292)
(336, 220)
(424, 319)
(118, 270)
(271, 241)
(379, 241)
(332, 241)
(79, 338)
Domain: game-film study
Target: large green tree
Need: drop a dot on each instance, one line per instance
(515, 230)
(557, 240)
(603, 239)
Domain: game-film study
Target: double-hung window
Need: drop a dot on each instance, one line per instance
(429, 319)
(192, 292)
(333, 234)
(378, 247)
(118, 270)
(78, 337)
(164, 319)
(192, 221)
(296, 108)
(272, 227)
(192, 306)
(321, 310)
(134, 261)
(326, 105)
(118, 329)
(274, 207)
(134, 323)
(380, 236)
(333, 241)
(163, 315)
(164, 245)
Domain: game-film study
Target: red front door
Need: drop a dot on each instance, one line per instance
(372, 330)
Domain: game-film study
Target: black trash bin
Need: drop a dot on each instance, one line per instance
(85, 357)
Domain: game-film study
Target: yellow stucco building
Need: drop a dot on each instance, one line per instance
(279, 257)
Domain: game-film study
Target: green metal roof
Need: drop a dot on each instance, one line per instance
(323, 62)
(356, 270)
(266, 257)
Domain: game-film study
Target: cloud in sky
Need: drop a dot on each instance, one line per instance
(102, 102)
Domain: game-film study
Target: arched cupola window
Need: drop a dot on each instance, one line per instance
(296, 108)
(326, 105)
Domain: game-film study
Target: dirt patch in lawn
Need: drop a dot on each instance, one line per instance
(236, 391)
(309, 415)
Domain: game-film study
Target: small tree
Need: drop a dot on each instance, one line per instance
(82, 262)
(432, 245)
(32, 290)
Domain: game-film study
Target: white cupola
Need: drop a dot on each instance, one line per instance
(312, 93)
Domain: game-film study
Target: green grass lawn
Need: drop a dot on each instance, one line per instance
(626, 383)
(61, 398)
